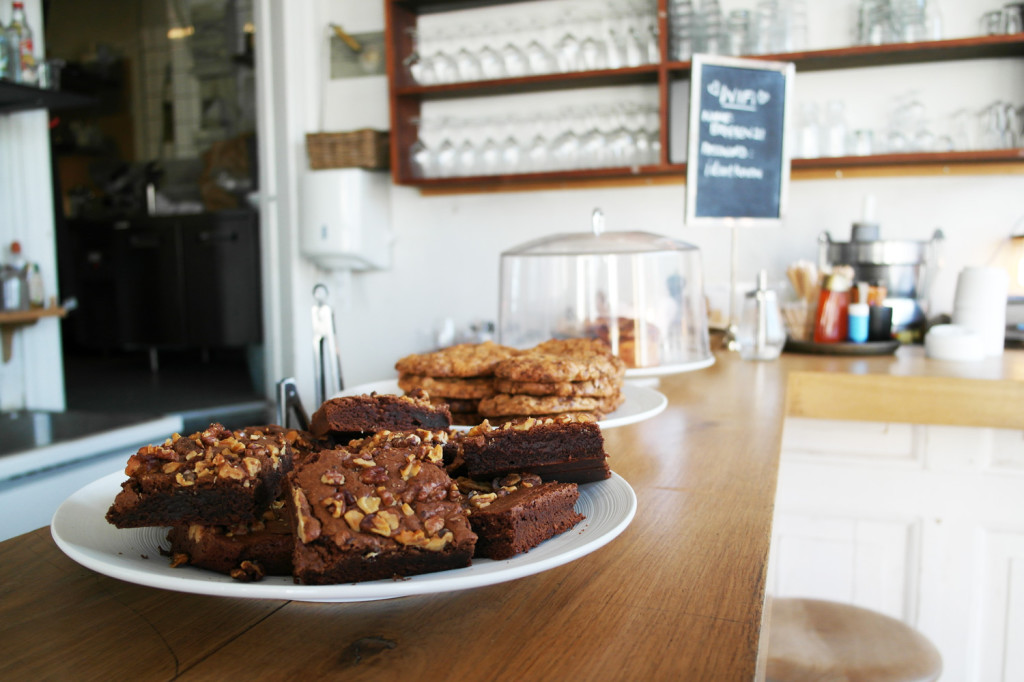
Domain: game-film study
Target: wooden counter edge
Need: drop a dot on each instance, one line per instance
(949, 401)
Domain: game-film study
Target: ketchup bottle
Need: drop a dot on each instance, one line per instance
(832, 316)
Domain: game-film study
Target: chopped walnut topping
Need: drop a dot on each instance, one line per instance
(354, 517)
(333, 477)
(248, 571)
(483, 500)
(368, 503)
(252, 466)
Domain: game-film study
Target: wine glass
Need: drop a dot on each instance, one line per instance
(442, 62)
(539, 59)
(421, 159)
(418, 67)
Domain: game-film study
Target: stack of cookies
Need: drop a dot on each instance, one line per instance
(579, 377)
(459, 376)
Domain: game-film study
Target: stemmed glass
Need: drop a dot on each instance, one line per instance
(442, 63)
(421, 159)
(567, 49)
(467, 60)
(491, 62)
(445, 157)
(418, 67)
(539, 58)
(512, 55)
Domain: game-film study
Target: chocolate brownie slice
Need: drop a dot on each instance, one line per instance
(378, 508)
(349, 417)
(213, 477)
(515, 513)
(246, 552)
(557, 448)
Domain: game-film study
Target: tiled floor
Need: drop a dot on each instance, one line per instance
(218, 387)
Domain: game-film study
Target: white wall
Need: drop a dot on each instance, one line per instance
(448, 247)
(34, 377)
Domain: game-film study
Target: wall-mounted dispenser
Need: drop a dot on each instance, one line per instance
(345, 216)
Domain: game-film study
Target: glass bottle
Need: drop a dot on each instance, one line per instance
(762, 333)
(3, 53)
(831, 318)
(21, 49)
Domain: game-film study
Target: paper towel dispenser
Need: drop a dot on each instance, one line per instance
(345, 217)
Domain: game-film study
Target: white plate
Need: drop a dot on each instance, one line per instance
(666, 370)
(641, 402)
(81, 531)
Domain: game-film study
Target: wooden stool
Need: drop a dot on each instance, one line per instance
(809, 639)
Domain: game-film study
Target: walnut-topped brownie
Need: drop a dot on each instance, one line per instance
(350, 417)
(213, 477)
(560, 448)
(246, 552)
(380, 507)
(514, 513)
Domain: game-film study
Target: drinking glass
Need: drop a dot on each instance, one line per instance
(594, 47)
(468, 65)
(680, 18)
(567, 49)
(418, 67)
(709, 27)
(539, 58)
(442, 61)
(421, 159)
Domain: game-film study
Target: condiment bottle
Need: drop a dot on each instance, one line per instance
(831, 318)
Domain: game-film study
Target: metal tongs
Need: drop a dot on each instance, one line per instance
(327, 367)
(289, 405)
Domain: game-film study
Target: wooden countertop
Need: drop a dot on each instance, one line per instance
(679, 595)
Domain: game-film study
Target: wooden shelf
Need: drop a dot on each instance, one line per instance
(938, 163)
(406, 98)
(13, 320)
(18, 97)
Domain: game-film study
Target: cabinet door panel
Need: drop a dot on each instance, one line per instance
(222, 280)
(870, 563)
(150, 307)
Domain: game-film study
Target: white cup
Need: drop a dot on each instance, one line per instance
(980, 305)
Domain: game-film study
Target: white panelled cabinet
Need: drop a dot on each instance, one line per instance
(922, 523)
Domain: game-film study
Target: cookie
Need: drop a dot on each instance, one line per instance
(463, 360)
(504, 405)
(536, 366)
(467, 388)
(594, 387)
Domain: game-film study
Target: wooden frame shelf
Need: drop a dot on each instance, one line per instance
(13, 320)
(406, 98)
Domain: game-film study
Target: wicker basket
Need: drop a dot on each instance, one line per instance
(364, 148)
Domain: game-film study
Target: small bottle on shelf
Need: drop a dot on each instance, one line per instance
(21, 49)
(36, 289)
(15, 280)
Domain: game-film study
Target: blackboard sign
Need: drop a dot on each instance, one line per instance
(738, 157)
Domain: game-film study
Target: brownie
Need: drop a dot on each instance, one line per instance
(380, 507)
(515, 513)
(349, 417)
(246, 552)
(214, 477)
(559, 448)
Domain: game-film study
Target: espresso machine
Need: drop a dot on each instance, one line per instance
(905, 268)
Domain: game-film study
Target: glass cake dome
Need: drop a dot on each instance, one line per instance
(640, 292)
